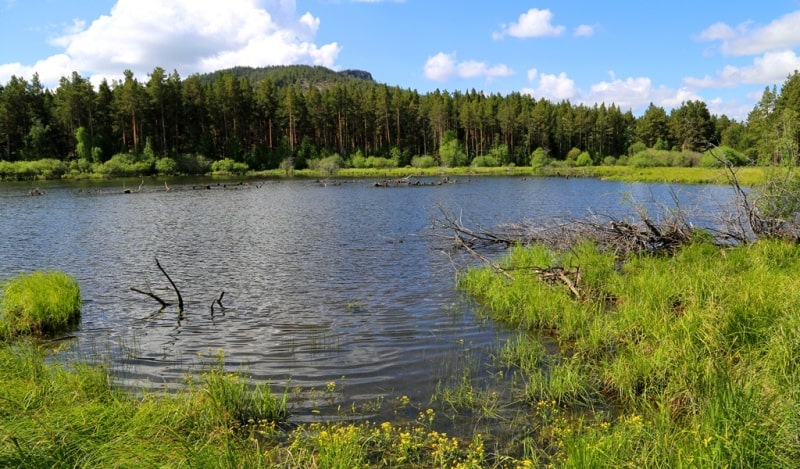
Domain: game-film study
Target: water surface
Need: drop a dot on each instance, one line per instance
(322, 283)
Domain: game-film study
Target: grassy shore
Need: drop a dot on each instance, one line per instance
(687, 360)
(672, 175)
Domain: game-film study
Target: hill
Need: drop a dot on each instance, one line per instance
(282, 75)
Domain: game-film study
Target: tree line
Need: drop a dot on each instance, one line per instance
(263, 118)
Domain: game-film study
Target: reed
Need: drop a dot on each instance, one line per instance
(39, 303)
(692, 353)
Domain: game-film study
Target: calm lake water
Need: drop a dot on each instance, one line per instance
(336, 283)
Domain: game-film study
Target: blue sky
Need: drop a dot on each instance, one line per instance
(630, 53)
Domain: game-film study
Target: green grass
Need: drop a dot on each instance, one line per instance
(690, 359)
(678, 360)
(747, 176)
(39, 303)
(53, 415)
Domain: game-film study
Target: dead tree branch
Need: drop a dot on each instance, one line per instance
(152, 295)
(175, 287)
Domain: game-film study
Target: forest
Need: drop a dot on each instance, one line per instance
(296, 116)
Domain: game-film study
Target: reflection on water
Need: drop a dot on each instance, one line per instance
(320, 284)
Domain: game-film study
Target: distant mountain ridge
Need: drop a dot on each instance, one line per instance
(283, 75)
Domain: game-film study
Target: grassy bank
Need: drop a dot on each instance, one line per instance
(70, 415)
(39, 303)
(671, 175)
(53, 415)
(688, 360)
(682, 360)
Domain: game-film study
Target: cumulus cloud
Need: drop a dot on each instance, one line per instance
(475, 69)
(772, 67)
(533, 23)
(441, 67)
(553, 87)
(632, 93)
(185, 35)
(782, 33)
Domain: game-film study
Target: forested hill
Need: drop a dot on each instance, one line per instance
(283, 75)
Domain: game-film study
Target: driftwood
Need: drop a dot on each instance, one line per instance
(219, 302)
(623, 237)
(163, 303)
(152, 295)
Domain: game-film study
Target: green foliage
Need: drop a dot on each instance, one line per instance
(38, 303)
(357, 160)
(28, 170)
(425, 161)
(126, 165)
(451, 153)
(380, 162)
(233, 399)
(584, 159)
(610, 161)
(228, 166)
(84, 145)
(661, 144)
(193, 164)
(720, 156)
(166, 166)
(573, 154)
(486, 161)
(636, 148)
(328, 165)
(500, 154)
(651, 158)
(540, 158)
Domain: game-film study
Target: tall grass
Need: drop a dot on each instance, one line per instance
(695, 353)
(40, 302)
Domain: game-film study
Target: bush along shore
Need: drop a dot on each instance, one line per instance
(681, 359)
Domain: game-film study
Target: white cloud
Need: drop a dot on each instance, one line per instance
(533, 23)
(187, 35)
(782, 33)
(772, 67)
(552, 87)
(584, 30)
(441, 67)
(532, 74)
(475, 69)
(632, 93)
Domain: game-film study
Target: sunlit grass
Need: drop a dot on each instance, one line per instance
(40, 302)
(692, 352)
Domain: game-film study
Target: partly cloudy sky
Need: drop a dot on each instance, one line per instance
(626, 52)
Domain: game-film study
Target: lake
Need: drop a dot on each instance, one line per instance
(322, 282)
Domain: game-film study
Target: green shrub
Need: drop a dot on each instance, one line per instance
(40, 302)
(486, 161)
(166, 166)
(716, 157)
(380, 162)
(192, 163)
(424, 161)
(228, 166)
(539, 158)
(584, 159)
(126, 165)
(636, 148)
